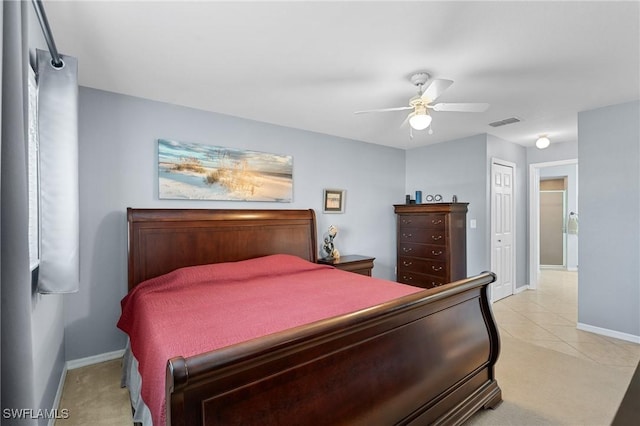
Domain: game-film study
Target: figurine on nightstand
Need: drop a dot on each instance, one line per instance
(328, 248)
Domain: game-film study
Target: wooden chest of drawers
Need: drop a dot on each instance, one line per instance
(432, 243)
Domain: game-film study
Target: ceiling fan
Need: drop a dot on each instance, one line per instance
(420, 118)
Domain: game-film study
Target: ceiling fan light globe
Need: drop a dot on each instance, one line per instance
(543, 142)
(420, 121)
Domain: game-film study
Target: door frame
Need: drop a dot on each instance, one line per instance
(514, 257)
(534, 217)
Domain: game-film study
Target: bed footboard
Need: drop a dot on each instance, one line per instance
(427, 358)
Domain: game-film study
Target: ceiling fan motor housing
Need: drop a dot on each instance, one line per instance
(419, 78)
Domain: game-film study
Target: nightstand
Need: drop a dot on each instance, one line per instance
(353, 263)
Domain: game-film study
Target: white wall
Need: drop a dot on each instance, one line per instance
(609, 205)
(118, 169)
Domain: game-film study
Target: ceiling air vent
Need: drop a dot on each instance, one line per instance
(504, 122)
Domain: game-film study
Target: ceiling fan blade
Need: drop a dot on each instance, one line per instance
(460, 107)
(435, 89)
(384, 110)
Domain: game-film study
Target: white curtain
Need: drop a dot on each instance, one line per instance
(59, 254)
(15, 275)
(59, 270)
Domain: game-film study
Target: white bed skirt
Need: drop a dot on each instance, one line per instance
(132, 380)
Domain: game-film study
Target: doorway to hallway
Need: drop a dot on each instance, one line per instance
(553, 219)
(568, 168)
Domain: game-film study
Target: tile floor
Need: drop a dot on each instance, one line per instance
(547, 317)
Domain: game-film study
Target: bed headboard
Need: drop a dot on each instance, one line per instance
(161, 240)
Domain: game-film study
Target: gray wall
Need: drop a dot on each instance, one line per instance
(555, 152)
(118, 169)
(609, 241)
(462, 167)
(118, 157)
(456, 167)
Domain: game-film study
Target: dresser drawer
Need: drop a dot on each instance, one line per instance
(424, 236)
(419, 280)
(429, 251)
(435, 220)
(436, 268)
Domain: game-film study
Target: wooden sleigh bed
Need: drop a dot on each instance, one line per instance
(424, 358)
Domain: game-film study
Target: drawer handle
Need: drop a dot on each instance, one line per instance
(405, 263)
(436, 237)
(436, 221)
(407, 235)
(406, 222)
(436, 253)
(404, 277)
(437, 268)
(407, 249)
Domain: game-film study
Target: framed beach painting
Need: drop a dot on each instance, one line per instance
(204, 172)
(333, 200)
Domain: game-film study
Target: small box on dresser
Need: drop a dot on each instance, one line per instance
(431, 243)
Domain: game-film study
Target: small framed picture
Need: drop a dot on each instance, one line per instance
(333, 200)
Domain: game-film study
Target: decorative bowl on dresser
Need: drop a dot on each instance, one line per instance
(432, 243)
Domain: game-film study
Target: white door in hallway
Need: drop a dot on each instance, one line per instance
(502, 230)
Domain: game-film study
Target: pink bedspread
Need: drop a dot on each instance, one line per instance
(202, 308)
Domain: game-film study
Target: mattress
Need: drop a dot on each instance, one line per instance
(203, 308)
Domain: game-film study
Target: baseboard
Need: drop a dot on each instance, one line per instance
(96, 359)
(609, 333)
(56, 400)
(520, 289)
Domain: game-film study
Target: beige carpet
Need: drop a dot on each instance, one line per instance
(93, 397)
(539, 386)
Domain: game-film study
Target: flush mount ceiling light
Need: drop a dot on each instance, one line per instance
(543, 142)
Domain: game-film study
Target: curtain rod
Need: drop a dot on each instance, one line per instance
(46, 30)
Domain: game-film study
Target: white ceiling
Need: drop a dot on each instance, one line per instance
(310, 65)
